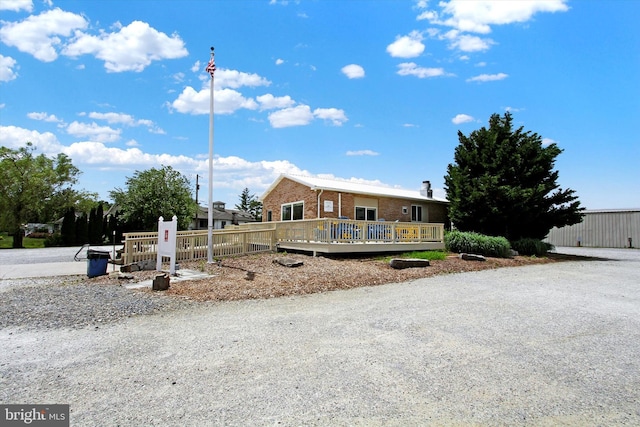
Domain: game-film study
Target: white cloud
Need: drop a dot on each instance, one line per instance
(270, 102)
(16, 137)
(196, 67)
(235, 79)
(362, 153)
(279, 61)
(39, 35)
(51, 118)
(292, 116)
(408, 46)
(16, 5)
(353, 71)
(7, 68)
(226, 101)
(548, 141)
(488, 77)
(335, 116)
(462, 118)
(467, 43)
(412, 69)
(93, 132)
(131, 48)
(121, 118)
(478, 16)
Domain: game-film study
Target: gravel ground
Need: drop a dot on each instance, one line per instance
(74, 302)
(549, 344)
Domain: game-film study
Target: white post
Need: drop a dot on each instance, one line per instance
(211, 67)
(167, 231)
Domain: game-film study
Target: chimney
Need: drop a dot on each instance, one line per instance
(426, 189)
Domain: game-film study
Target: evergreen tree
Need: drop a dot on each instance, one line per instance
(100, 225)
(92, 226)
(68, 230)
(502, 183)
(249, 203)
(82, 230)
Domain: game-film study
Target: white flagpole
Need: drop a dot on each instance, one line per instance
(210, 68)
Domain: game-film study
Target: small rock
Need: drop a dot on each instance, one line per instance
(399, 263)
(288, 262)
(472, 257)
(161, 282)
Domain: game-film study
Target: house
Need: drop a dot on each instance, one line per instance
(221, 217)
(294, 197)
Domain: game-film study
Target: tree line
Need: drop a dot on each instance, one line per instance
(39, 189)
(502, 182)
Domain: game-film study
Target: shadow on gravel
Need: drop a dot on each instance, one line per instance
(567, 257)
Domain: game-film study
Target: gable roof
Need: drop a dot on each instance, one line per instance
(344, 186)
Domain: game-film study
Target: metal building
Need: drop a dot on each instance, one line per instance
(612, 228)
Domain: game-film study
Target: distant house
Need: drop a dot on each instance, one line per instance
(293, 197)
(221, 217)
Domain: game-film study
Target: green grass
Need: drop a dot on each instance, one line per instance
(6, 242)
(430, 255)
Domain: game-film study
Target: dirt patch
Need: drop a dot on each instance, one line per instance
(258, 276)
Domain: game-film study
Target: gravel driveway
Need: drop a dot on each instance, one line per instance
(554, 344)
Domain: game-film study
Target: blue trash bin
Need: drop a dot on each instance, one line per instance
(97, 262)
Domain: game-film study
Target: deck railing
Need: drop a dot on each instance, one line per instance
(263, 237)
(352, 231)
(192, 245)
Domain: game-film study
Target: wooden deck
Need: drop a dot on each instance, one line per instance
(350, 236)
(328, 236)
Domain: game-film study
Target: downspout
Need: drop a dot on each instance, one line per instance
(319, 194)
(339, 204)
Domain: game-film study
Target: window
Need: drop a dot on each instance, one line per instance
(416, 213)
(293, 211)
(269, 216)
(365, 214)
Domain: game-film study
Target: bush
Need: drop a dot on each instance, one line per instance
(529, 246)
(54, 240)
(474, 243)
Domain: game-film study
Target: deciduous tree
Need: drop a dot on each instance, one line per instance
(30, 187)
(154, 193)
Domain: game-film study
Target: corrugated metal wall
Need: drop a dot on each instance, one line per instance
(602, 228)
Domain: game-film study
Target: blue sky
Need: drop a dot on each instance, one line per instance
(369, 91)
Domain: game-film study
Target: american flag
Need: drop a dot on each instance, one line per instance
(211, 67)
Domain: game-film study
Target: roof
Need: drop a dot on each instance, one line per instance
(224, 215)
(354, 187)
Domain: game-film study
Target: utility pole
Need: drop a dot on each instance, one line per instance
(197, 188)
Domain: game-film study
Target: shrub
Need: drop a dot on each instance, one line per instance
(54, 240)
(474, 243)
(529, 246)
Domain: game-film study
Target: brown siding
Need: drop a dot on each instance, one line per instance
(288, 191)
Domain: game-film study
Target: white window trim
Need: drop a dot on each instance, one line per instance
(292, 204)
(366, 209)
